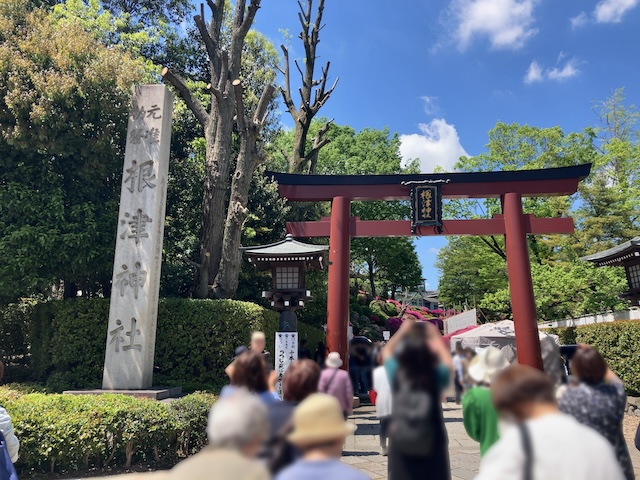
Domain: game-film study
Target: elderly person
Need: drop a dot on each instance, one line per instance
(258, 344)
(320, 432)
(6, 428)
(249, 373)
(298, 382)
(337, 382)
(598, 401)
(543, 443)
(236, 429)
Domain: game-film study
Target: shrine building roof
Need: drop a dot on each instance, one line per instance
(617, 255)
(287, 250)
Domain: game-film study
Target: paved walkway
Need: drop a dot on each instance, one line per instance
(362, 450)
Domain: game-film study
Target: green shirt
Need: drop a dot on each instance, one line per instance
(480, 417)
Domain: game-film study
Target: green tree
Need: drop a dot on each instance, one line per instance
(475, 268)
(223, 115)
(64, 100)
(611, 195)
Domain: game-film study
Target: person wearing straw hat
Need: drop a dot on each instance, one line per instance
(336, 382)
(479, 416)
(319, 432)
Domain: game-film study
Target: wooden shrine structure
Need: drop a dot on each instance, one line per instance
(426, 191)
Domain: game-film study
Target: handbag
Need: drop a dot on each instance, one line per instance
(7, 470)
(528, 451)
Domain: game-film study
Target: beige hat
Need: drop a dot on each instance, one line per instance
(319, 419)
(333, 360)
(486, 364)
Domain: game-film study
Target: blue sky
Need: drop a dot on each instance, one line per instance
(441, 73)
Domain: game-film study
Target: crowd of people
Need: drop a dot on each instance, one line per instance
(527, 428)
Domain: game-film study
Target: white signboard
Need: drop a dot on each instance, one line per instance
(133, 311)
(286, 352)
(461, 321)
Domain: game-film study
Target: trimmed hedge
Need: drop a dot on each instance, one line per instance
(619, 344)
(71, 433)
(195, 340)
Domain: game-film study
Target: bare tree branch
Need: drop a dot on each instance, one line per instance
(260, 114)
(493, 248)
(216, 92)
(192, 102)
(237, 88)
(209, 44)
(313, 93)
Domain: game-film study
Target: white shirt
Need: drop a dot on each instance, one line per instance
(6, 428)
(563, 449)
(383, 390)
(457, 366)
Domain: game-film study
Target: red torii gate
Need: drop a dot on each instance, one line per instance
(509, 186)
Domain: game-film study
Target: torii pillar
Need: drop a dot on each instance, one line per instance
(338, 288)
(523, 303)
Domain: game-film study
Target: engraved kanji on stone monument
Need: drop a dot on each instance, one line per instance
(137, 135)
(131, 333)
(136, 225)
(140, 176)
(134, 279)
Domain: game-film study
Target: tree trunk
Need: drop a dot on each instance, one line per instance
(214, 202)
(298, 159)
(226, 281)
(372, 279)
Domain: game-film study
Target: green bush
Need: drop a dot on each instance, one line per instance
(195, 340)
(567, 335)
(191, 414)
(15, 337)
(71, 433)
(618, 344)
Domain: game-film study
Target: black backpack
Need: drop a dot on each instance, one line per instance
(412, 430)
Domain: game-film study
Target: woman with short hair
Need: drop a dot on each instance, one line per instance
(598, 401)
(249, 373)
(299, 381)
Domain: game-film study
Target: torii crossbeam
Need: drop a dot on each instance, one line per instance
(509, 186)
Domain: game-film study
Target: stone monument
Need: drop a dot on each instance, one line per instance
(131, 335)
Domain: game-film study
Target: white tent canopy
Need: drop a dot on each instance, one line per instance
(502, 336)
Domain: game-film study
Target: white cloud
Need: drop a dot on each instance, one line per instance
(579, 20)
(612, 11)
(430, 105)
(507, 23)
(568, 71)
(534, 73)
(438, 144)
(433, 250)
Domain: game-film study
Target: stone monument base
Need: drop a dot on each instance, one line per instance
(156, 393)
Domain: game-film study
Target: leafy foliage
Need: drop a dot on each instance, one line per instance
(59, 197)
(474, 269)
(72, 433)
(618, 344)
(195, 340)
